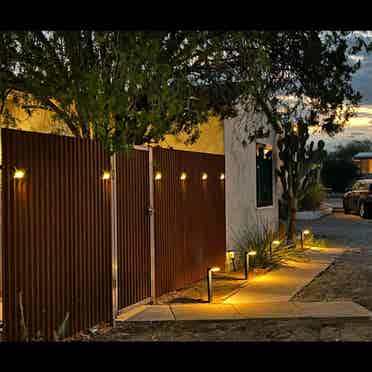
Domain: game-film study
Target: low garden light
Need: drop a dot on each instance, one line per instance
(274, 244)
(209, 281)
(106, 175)
(204, 176)
(303, 237)
(232, 258)
(183, 176)
(222, 176)
(246, 262)
(19, 173)
(157, 176)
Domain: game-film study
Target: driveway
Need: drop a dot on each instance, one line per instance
(350, 277)
(339, 228)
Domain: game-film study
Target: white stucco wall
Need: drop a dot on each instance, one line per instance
(240, 182)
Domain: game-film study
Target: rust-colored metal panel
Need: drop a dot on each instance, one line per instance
(133, 199)
(189, 217)
(56, 235)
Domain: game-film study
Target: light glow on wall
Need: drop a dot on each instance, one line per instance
(222, 176)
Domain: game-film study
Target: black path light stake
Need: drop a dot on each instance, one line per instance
(246, 262)
(209, 282)
(232, 258)
(303, 235)
(274, 244)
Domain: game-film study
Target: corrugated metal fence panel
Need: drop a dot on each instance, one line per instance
(189, 217)
(134, 267)
(56, 233)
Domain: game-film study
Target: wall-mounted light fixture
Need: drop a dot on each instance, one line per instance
(19, 173)
(157, 176)
(106, 175)
(222, 176)
(183, 176)
(204, 176)
(209, 281)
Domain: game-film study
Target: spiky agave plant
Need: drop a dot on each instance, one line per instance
(58, 334)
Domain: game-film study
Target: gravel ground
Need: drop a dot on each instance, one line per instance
(349, 278)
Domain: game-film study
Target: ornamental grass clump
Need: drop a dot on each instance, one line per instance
(268, 244)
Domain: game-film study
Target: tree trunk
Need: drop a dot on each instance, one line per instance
(292, 211)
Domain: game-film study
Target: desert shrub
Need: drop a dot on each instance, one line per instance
(312, 199)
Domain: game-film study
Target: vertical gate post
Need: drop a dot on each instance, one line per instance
(114, 238)
(152, 225)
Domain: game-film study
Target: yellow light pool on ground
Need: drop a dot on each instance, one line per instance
(158, 176)
(106, 175)
(204, 176)
(19, 173)
(183, 176)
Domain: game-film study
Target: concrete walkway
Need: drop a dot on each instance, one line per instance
(271, 310)
(266, 296)
(282, 284)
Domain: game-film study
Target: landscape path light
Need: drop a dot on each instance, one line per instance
(209, 281)
(232, 258)
(303, 235)
(274, 244)
(246, 262)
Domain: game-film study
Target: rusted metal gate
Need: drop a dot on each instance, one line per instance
(189, 217)
(74, 242)
(133, 247)
(56, 237)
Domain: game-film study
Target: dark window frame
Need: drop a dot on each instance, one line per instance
(264, 176)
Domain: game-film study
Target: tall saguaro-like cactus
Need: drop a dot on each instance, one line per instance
(299, 165)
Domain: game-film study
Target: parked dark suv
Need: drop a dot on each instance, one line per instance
(358, 198)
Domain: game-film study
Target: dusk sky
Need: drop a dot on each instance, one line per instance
(360, 126)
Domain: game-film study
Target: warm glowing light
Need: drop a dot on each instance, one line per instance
(19, 173)
(252, 253)
(215, 269)
(306, 232)
(204, 176)
(106, 175)
(158, 176)
(222, 176)
(276, 242)
(183, 176)
(231, 254)
(295, 128)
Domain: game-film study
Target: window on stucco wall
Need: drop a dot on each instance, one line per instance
(264, 175)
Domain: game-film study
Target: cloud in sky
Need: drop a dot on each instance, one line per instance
(360, 126)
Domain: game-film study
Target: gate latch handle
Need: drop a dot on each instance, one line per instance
(151, 211)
